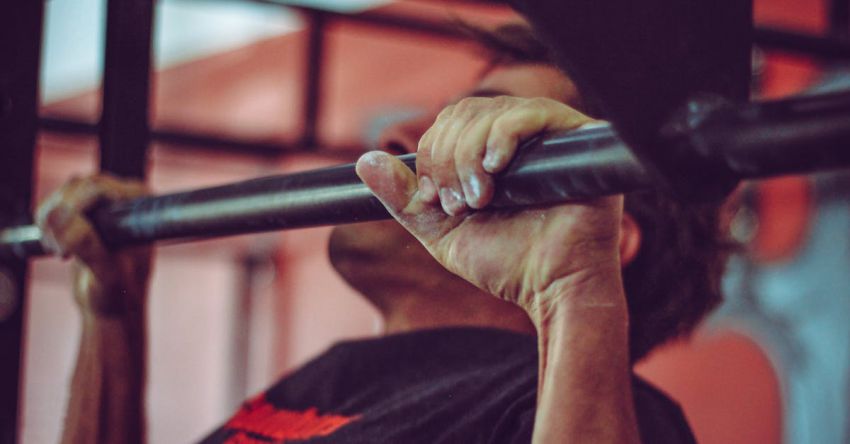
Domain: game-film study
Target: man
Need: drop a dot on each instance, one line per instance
(549, 356)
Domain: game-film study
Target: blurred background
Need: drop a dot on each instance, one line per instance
(249, 88)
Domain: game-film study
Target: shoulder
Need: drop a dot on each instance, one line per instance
(660, 419)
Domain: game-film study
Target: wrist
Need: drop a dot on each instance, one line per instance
(116, 293)
(107, 392)
(100, 315)
(113, 301)
(584, 295)
(131, 322)
(119, 341)
(584, 362)
(119, 344)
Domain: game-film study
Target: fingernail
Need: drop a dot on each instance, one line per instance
(49, 243)
(452, 201)
(472, 190)
(373, 158)
(427, 190)
(58, 217)
(491, 161)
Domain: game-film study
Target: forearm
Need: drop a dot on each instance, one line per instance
(107, 389)
(585, 383)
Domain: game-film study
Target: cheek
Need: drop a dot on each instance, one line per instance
(364, 254)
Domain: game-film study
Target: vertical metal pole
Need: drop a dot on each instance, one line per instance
(313, 78)
(20, 47)
(124, 127)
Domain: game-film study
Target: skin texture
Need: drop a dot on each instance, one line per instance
(562, 284)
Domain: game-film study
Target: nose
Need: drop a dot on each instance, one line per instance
(403, 137)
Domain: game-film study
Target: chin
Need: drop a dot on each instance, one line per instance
(381, 260)
(367, 245)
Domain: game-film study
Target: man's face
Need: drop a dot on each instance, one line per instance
(383, 251)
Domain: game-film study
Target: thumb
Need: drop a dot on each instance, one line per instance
(389, 179)
(395, 185)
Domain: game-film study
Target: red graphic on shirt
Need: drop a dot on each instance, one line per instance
(260, 422)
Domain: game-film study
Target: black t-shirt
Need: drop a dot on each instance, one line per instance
(452, 385)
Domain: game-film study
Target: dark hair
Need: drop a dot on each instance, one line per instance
(675, 279)
(510, 43)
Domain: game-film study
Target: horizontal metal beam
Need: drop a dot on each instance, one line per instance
(823, 48)
(205, 142)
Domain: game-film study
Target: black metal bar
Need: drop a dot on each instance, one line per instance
(313, 78)
(824, 48)
(20, 47)
(839, 19)
(432, 28)
(563, 166)
(805, 134)
(799, 135)
(205, 142)
(124, 133)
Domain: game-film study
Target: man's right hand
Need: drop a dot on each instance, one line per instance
(107, 283)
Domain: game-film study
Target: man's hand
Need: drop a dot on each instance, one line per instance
(560, 264)
(106, 282)
(523, 256)
(107, 390)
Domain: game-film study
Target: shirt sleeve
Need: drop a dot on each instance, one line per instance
(659, 418)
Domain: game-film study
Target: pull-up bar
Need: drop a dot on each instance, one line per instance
(799, 135)
(563, 166)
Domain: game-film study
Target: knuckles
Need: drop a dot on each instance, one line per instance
(452, 147)
(469, 105)
(540, 103)
(61, 215)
